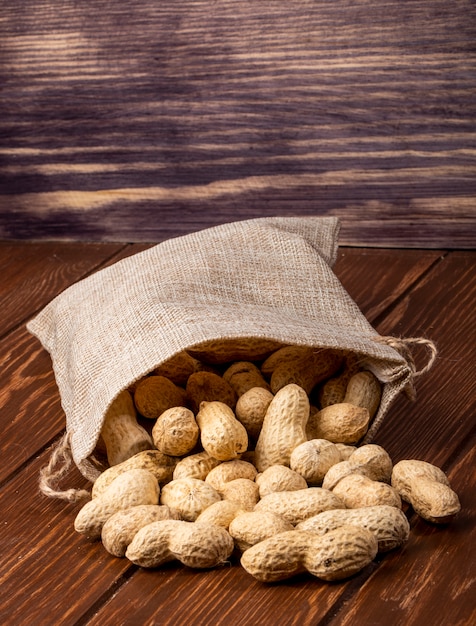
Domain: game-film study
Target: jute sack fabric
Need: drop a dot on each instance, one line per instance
(268, 278)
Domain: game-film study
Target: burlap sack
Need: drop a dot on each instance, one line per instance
(269, 278)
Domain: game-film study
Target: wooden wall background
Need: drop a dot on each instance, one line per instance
(132, 121)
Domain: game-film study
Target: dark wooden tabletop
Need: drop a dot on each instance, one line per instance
(116, 117)
(49, 574)
(123, 124)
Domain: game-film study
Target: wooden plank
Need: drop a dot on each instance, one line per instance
(28, 393)
(432, 580)
(376, 279)
(218, 111)
(441, 309)
(33, 273)
(49, 573)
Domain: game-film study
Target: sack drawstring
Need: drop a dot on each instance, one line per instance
(50, 476)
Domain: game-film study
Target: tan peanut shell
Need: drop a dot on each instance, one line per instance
(332, 391)
(220, 513)
(427, 488)
(230, 470)
(243, 491)
(338, 554)
(218, 351)
(285, 354)
(160, 465)
(251, 408)
(364, 390)
(209, 387)
(356, 490)
(338, 471)
(279, 478)
(342, 423)
(195, 545)
(136, 486)
(296, 506)
(176, 431)
(121, 434)
(189, 497)
(373, 461)
(307, 372)
(119, 530)
(195, 466)
(311, 426)
(284, 427)
(388, 523)
(345, 450)
(312, 459)
(221, 434)
(155, 394)
(179, 367)
(252, 527)
(243, 376)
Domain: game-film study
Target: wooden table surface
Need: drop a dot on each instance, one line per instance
(116, 117)
(123, 124)
(49, 574)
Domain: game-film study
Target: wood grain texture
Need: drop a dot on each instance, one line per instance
(438, 308)
(432, 580)
(33, 274)
(50, 574)
(133, 121)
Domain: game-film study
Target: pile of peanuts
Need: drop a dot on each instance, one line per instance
(253, 452)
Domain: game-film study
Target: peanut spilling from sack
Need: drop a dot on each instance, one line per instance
(253, 451)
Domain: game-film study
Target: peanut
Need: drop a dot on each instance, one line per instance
(119, 530)
(356, 490)
(221, 434)
(251, 408)
(333, 390)
(243, 491)
(218, 351)
(136, 486)
(427, 489)
(364, 390)
(195, 466)
(230, 470)
(121, 433)
(243, 376)
(220, 513)
(209, 387)
(158, 464)
(342, 423)
(179, 367)
(307, 371)
(279, 478)
(338, 554)
(284, 427)
(156, 394)
(312, 459)
(285, 354)
(389, 524)
(176, 431)
(195, 545)
(369, 460)
(189, 497)
(252, 527)
(296, 506)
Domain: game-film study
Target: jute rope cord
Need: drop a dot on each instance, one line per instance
(60, 462)
(403, 346)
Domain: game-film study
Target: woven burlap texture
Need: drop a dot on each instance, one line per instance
(267, 277)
